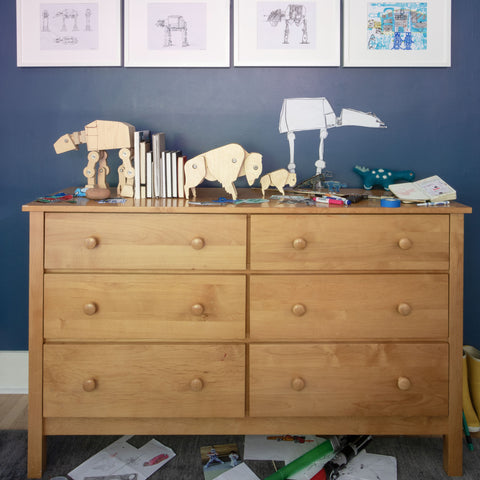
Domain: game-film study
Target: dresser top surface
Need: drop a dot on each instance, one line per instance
(210, 195)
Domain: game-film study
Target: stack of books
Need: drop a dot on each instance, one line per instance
(159, 173)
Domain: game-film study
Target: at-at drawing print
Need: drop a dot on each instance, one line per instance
(68, 14)
(299, 114)
(174, 23)
(293, 14)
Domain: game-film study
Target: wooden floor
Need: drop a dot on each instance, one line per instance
(13, 412)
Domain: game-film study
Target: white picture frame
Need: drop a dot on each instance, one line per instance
(68, 33)
(271, 33)
(177, 33)
(404, 34)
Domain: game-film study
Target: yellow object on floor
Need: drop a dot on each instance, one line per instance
(468, 409)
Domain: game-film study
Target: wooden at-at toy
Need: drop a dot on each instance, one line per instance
(224, 164)
(102, 135)
(278, 179)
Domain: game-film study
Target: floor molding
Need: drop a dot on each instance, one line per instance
(13, 372)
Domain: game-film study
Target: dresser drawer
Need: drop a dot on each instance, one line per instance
(144, 380)
(349, 379)
(144, 306)
(355, 306)
(144, 241)
(350, 242)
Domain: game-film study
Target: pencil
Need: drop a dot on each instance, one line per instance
(467, 432)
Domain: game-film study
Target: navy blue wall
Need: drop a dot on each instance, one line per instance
(431, 113)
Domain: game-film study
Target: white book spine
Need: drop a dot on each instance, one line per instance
(169, 174)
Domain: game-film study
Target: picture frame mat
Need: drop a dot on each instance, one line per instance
(216, 53)
(30, 53)
(326, 51)
(437, 54)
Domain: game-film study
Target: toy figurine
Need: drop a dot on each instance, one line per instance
(381, 176)
(299, 114)
(102, 135)
(278, 179)
(334, 185)
(224, 164)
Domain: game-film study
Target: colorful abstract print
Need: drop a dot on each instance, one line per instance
(397, 26)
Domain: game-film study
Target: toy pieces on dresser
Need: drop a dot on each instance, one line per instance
(278, 179)
(224, 164)
(381, 176)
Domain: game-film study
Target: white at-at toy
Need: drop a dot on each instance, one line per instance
(102, 135)
(278, 179)
(224, 164)
(299, 114)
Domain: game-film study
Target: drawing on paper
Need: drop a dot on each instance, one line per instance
(179, 26)
(281, 25)
(174, 23)
(397, 26)
(69, 26)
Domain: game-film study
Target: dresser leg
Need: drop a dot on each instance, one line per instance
(453, 454)
(36, 454)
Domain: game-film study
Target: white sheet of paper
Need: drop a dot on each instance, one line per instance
(122, 458)
(240, 472)
(370, 466)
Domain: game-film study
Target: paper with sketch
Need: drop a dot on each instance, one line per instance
(428, 189)
(121, 459)
(370, 466)
(240, 472)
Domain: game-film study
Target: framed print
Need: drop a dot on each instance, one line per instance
(177, 33)
(397, 33)
(68, 33)
(282, 33)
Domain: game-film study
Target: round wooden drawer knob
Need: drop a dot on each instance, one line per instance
(298, 384)
(90, 385)
(404, 383)
(196, 385)
(90, 308)
(198, 243)
(405, 243)
(299, 309)
(197, 309)
(404, 309)
(299, 244)
(91, 242)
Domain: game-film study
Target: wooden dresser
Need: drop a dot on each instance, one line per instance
(160, 317)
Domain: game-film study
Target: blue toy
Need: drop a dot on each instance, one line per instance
(381, 176)
(333, 185)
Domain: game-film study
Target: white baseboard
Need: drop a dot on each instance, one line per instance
(13, 371)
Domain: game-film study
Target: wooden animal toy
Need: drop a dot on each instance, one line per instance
(224, 164)
(381, 176)
(278, 179)
(102, 135)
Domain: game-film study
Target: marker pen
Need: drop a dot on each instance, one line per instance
(432, 204)
(346, 201)
(330, 201)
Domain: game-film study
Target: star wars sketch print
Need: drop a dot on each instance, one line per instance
(282, 25)
(397, 26)
(68, 26)
(178, 25)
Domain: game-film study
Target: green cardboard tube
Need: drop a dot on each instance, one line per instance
(316, 453)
